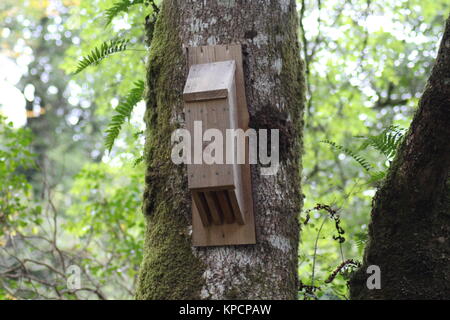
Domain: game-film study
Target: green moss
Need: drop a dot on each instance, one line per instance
(293, 77)
(169, 269)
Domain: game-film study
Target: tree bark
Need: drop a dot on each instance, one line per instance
(409, 235)
(172, 268)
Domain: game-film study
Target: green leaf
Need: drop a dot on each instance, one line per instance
(376, 177)
(357, 157)
(123, 112)
(99, 53)
(386, 142)
(121, 6)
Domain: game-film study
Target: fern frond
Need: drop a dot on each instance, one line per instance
(138, 161)
(101, 52)
(120, 6)
(353, 154)
(123, 112)
(386, 142)
(376, 177)
(361, 239)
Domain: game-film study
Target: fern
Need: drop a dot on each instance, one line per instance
(357, 157)
(99, 53)
(121, 6)
(138, 161)
(376, 177)
(123, 112)
(361, 239)
(386, 142)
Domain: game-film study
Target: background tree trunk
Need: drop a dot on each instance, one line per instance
(409, 236)
(172, 268)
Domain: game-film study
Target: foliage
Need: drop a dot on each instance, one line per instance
(387, 142)
(106, 218)
(104, 85)
(134, 96)
(37, 248)
(101, 52)
(15, 158)
(357, 157)
(122, 6)
(123, 111)
(41, 239)
(313, 290)
(118, 7)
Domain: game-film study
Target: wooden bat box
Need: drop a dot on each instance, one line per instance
(214, 97)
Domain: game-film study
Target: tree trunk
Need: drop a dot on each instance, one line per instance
(172, 268)
(409, 236)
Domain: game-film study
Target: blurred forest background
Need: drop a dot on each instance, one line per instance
(69, 206)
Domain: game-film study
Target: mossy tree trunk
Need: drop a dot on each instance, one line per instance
(409, 235)
(172, 268)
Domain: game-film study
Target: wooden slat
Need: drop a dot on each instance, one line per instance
(235, 206)
(225, 206)
(216, 214)
(202, 207)
(207, 95)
